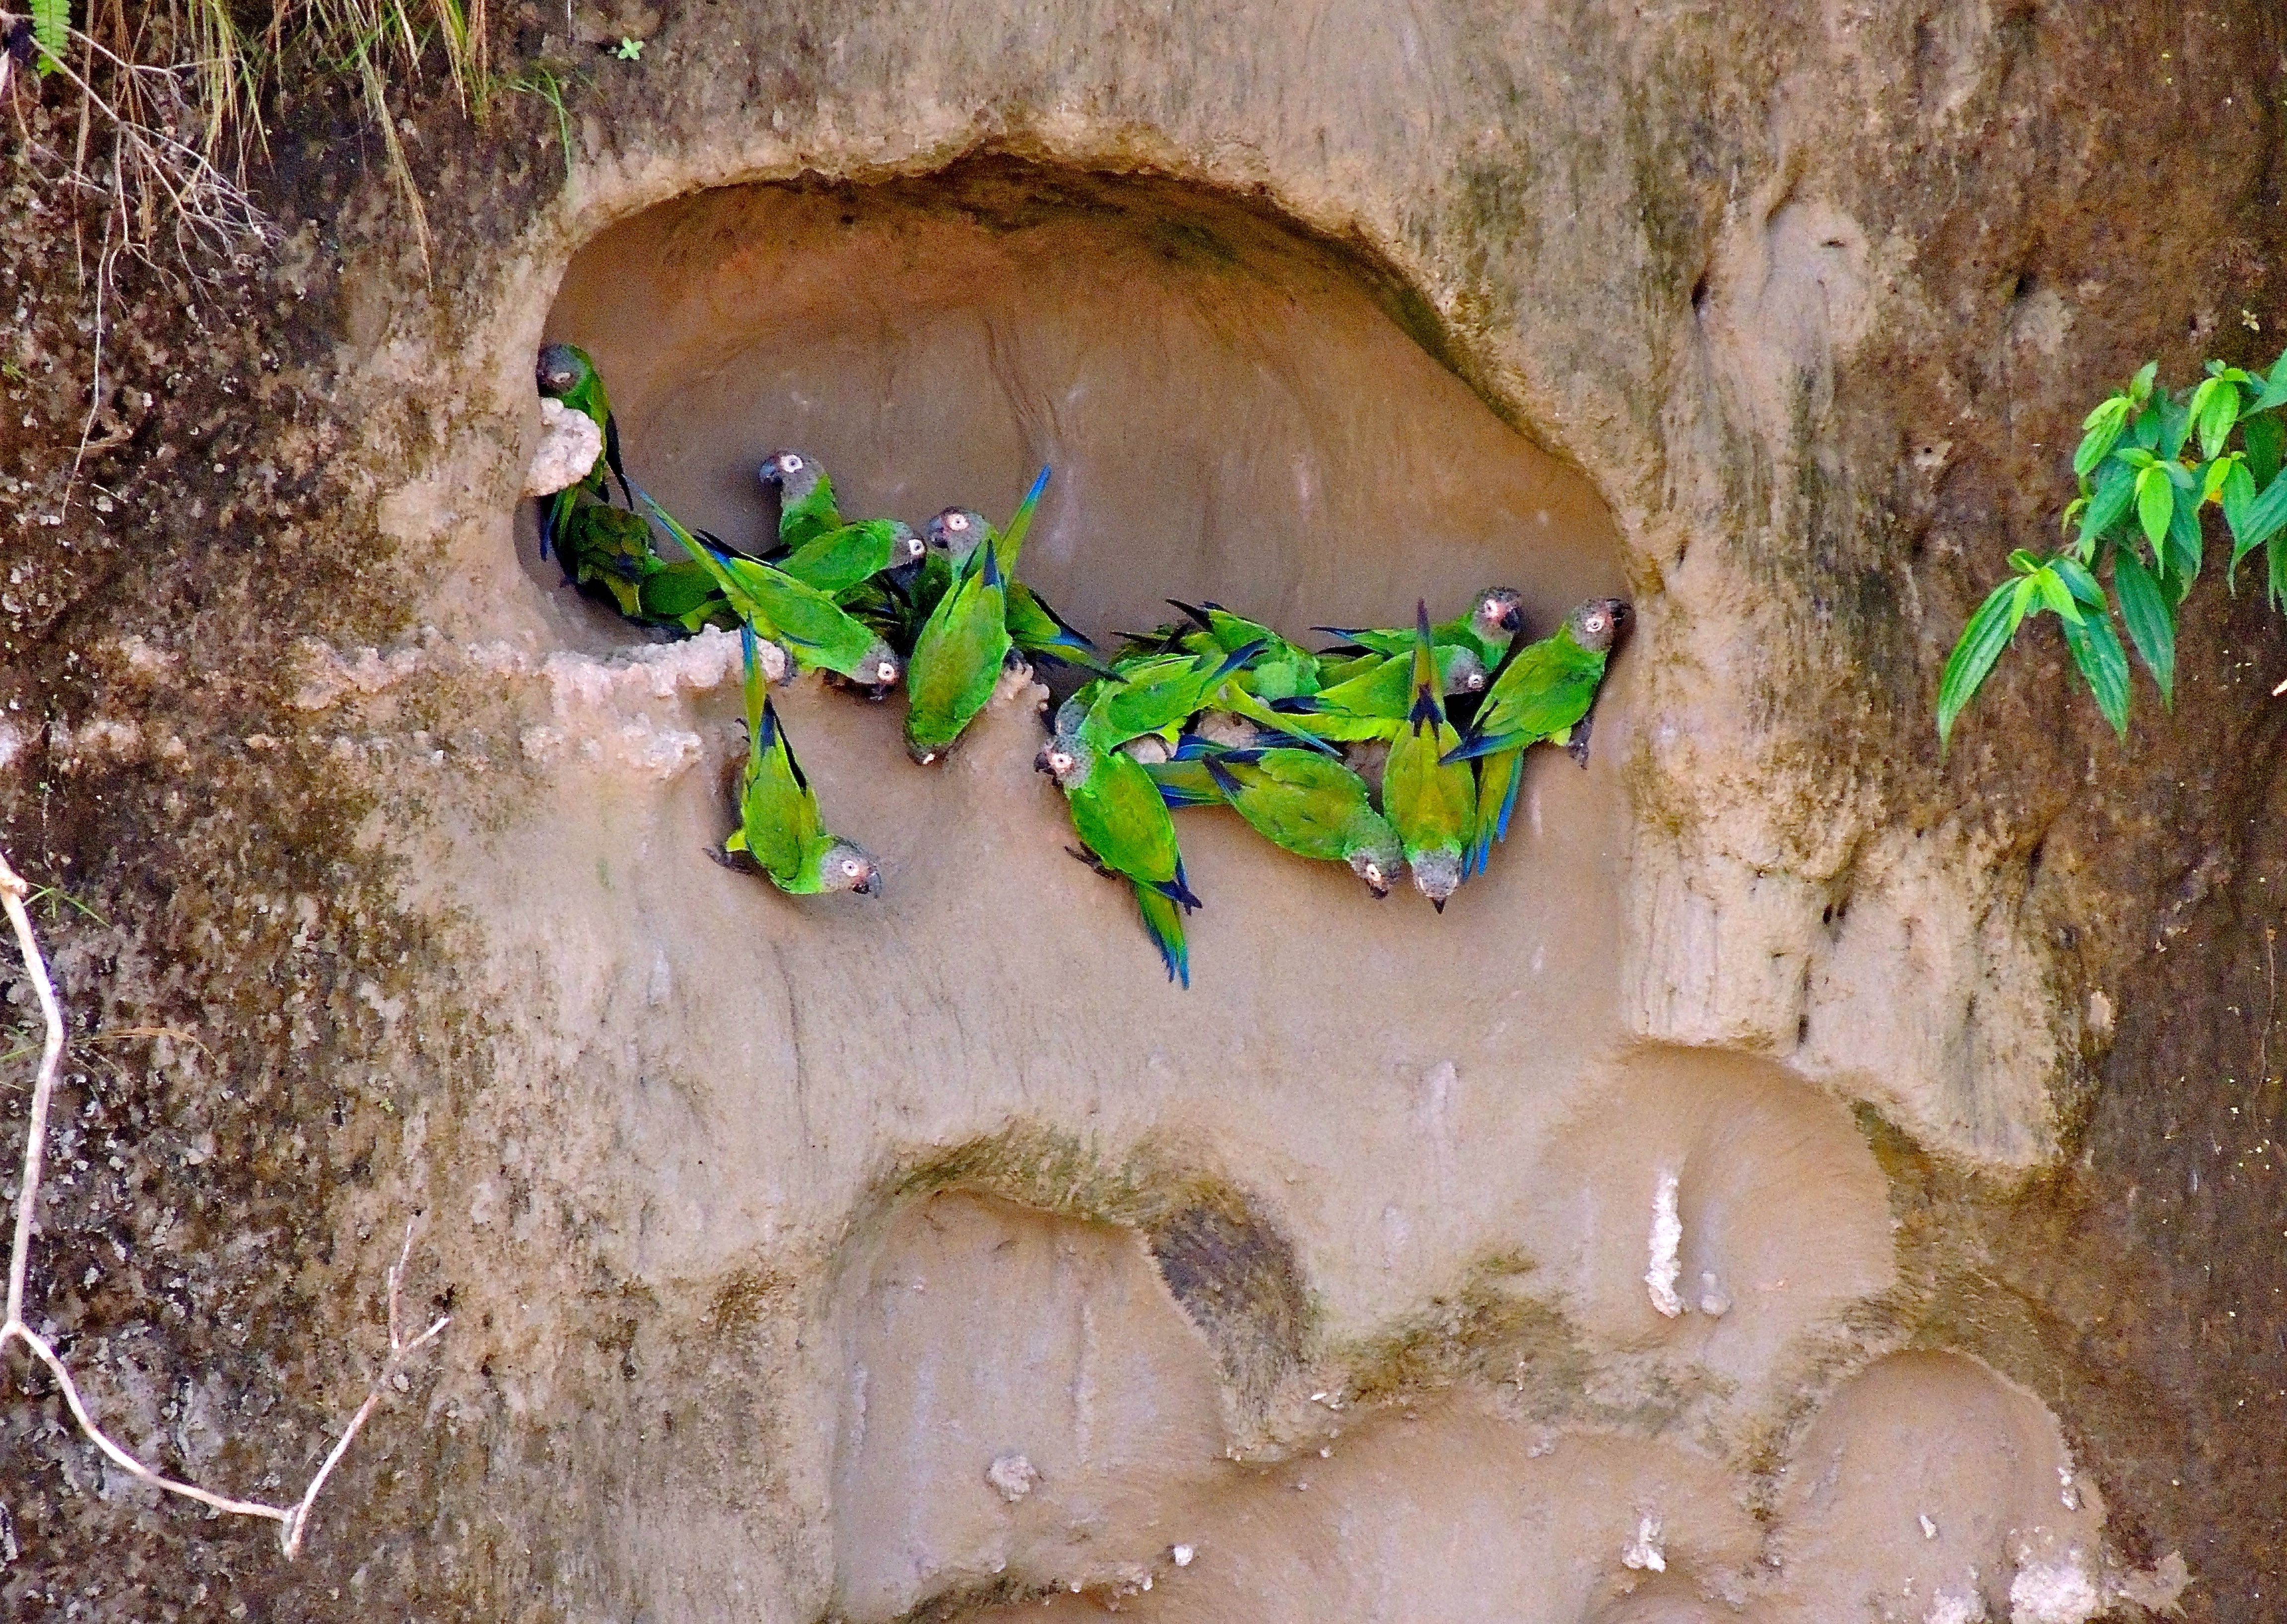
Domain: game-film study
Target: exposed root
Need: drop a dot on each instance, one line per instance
(294, 1519)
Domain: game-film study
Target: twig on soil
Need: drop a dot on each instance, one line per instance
(294, 1519)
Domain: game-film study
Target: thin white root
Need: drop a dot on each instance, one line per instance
(294, 1519)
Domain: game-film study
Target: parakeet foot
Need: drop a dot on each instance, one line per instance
(1577, 747)
(1081, 854)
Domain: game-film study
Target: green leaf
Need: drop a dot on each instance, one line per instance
(2140, 387)
(2184, 542)
(2156, 505)
(2274, 556)
(1971, 662)
(2055, 595)
(2103, 665)
(2144, 432)
(2023, 562)
(51, 31)
(2218, 471)
(2023, 600)
(2238, 496)
(2264, 438)
(2221, 411)
(2104, 426)
(2116, 488)
(2077, 581)
(2175, 426)
(2266, 516)
(2151, 622)
(2275, 391)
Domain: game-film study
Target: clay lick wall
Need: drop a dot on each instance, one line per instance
(930, 1254)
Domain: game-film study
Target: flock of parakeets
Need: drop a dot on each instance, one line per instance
(1212, 710)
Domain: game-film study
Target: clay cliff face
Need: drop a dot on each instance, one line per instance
(1806, 1179)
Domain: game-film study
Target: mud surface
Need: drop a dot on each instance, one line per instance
(1936, 1099)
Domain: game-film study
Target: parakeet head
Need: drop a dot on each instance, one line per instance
(562, 368)
(1597, 624)
(791, 474)
(908, 547)
(849, 868)
(1438, 875)
(1378, 865)
(955, 533)
(1065, 758)
(1499, 614)
(1069, 714)
(1467, 675)
(880, 668)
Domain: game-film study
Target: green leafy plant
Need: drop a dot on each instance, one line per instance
(2150, 462)
(50, 30)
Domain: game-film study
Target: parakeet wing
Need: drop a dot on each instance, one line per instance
(1118, 815)
(957, 657)
(1545, 690)
(778, 811)
(838, 559)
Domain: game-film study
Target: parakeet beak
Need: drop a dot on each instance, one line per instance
(1438, 903)
(1512, 619)
(871, 886)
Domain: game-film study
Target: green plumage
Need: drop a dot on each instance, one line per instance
(1432, 803)
(1122, 822)
(957, 660)
(778, 823)
(834, 561)
(963, 646)
(1372, 700)
(1486, 629)
(602, 544)
(1299, 800)
(804, 621)
(807, 509)
(1539, 697)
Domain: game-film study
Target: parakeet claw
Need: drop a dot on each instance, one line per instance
(1080, 855)
(1577, 747)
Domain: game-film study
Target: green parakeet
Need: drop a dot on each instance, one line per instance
(598, 544)
(565, 373)
(1123, 825)
(1490, 625)
(1542, 696)
(1432, 801)
(1376, 701)
(1039, 630)
(1155, 694)
(964, 645)
(834, 561)
(779, 822)
(806, 510)
(1299, 800)
(804, 621)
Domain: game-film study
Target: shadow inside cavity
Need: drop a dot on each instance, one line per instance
(1230, 410)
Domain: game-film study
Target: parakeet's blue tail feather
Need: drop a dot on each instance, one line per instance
(1225, 779)
(1481, 745)
(1165, 924)
(1498, 778)
(1297, 704)
(1508, 801)
(1040, 484)
(1239, 657)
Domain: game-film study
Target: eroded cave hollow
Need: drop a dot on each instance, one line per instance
(1011, 1193)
